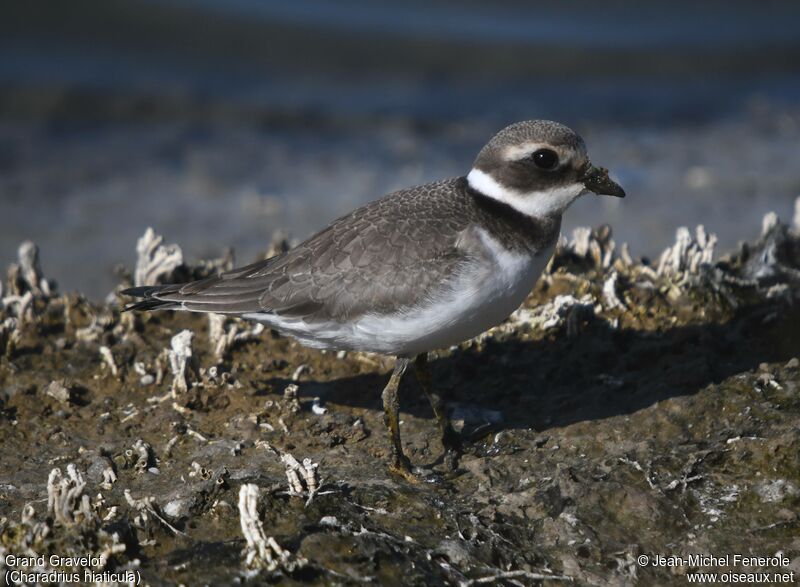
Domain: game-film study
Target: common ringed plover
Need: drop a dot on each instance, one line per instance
(420, 269)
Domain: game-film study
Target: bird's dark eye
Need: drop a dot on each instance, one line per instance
(545, 159)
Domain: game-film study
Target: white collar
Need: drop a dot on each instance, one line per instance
(536, 204)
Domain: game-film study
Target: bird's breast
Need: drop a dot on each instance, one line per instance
(488, 288)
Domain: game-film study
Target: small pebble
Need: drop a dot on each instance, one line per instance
(58, 391)
(318, 408)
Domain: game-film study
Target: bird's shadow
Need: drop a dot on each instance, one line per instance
(598, 373)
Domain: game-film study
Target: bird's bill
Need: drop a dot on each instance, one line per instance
(596, 180)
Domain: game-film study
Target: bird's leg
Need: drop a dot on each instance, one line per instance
(450, 438)
(391, 407)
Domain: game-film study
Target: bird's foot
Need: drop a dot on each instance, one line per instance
(451, 460)
(453, 448)
(401, 467)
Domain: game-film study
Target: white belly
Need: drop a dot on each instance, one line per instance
(479, 298)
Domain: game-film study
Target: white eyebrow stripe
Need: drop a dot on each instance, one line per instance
(565, 154)
(514, 152)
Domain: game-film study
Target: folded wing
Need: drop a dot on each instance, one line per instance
(375, 260)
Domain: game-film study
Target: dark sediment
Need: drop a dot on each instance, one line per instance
(628, 409)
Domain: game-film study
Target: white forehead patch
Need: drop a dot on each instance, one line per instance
(537, 204)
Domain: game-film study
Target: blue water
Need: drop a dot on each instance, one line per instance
(631, 25)
(218, 123)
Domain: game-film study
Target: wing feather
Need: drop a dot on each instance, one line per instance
(372, 261)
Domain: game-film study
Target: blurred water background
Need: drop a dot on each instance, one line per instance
(220, 122)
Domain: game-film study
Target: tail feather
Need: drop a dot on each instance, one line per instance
(150, 302)
(238, 291)
(146, 305)
(198, 296)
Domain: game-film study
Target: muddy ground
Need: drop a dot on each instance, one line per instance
(631, 408)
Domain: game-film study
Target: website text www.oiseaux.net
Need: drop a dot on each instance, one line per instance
(727, 569)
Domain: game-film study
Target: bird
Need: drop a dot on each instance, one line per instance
(420, 269)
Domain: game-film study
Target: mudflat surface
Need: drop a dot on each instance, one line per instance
(626, 410)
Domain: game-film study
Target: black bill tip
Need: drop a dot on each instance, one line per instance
(596, 180)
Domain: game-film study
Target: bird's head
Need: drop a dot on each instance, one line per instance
(538, 167)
